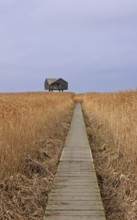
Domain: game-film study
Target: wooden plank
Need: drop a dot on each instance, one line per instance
(76, 180)
(75, 218)
(76, 194)
(90, 178)
(75, 213)
(75, 183)
(75, 205)
(73, 174)
(75, 198)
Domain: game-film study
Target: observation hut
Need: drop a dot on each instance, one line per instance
(55, 84)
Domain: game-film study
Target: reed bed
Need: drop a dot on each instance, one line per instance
(112, 128)
(33, 127)
(24, 119)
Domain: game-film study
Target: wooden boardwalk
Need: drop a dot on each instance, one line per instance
(75, 194)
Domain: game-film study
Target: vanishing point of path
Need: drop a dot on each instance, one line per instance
(75, 194)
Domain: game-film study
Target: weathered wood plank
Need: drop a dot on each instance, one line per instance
(75, 205)
(75, 194)
(75, 213)
(75, 198)
(75, 218)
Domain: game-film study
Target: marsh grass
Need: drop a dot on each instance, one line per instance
(26, 118)
(112, 128)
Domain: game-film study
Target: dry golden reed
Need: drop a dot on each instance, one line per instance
(112, 129)
(25, 118)
(117, 114)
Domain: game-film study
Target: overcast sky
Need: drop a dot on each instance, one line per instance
(90, 43)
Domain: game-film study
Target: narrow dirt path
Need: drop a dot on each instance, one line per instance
(75, 193)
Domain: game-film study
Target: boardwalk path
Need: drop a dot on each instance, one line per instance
(75, 194)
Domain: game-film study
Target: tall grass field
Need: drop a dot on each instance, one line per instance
(112, 127)
(33, 129)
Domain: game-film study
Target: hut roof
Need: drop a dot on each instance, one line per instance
(52, 80)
